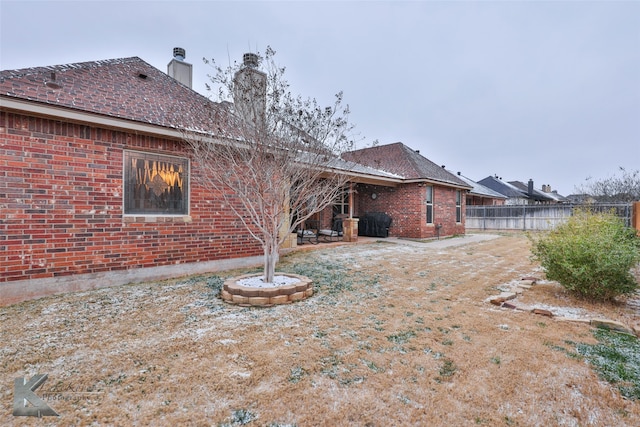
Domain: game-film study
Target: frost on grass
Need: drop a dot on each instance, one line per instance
(616, 357)
(367, 349)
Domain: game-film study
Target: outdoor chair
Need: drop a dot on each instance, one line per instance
(334, 234)
(308, 232)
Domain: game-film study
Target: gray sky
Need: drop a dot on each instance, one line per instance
(547, 90)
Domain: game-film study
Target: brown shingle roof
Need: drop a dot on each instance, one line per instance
(126, 88)
(401, 160)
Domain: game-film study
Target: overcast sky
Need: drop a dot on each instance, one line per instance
(548, 90)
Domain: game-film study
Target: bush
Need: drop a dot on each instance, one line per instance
(591, 255)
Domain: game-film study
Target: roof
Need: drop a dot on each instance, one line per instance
(126, 88)
(398, 159)
(480, 190)
(503, 188)
(133, 90)
(537, 195)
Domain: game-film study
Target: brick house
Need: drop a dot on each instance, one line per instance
(97, 187)
(429, 201)
(96, 184)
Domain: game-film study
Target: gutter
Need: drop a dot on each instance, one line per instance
(33, 107)
(93, 119)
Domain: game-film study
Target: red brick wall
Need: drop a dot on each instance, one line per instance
(61, 197)
(406, 205)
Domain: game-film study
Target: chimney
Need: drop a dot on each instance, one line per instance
(530, 188)
(250, 90)
(180, 70)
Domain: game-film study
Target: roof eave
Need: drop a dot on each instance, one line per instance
(436, 182)
(64, 113)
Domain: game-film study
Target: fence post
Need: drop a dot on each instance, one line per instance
(635, 217)
(484, 217)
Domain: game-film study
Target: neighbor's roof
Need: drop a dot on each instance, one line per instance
(126, 88)
(480, 190)
(401, 160)
(537, 195)
(503, 188)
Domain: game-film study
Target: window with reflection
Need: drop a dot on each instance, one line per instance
(429, 199)
(155, 184)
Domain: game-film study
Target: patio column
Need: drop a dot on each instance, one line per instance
(350, 224)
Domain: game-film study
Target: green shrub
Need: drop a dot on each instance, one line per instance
(591, 255)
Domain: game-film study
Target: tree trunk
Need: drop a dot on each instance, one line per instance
(270, 260)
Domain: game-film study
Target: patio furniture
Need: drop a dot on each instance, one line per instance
(308, 232)
(374, 224)
(334, 234)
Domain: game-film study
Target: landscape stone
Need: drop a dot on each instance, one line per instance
(280, 299)
(239, 299)
(496, 300)
(508, 295)
(612, 324)
(572, 319)
(258, 300)
(542, 312)
(297, 296)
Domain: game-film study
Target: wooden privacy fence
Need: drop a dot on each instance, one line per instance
(536, 217)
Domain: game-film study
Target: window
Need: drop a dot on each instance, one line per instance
(429, 199)
(155, 184)
(458, 206)
(341, 205)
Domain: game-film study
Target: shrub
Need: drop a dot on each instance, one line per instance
(591, 255)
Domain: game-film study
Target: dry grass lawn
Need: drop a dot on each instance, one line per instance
(396, 334)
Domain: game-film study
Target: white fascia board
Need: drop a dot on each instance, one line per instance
(436, 182)
(67, 114)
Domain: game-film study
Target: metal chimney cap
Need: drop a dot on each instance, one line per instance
(250, 60)
(179, 53)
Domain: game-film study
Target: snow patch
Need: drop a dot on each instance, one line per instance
(258, 282)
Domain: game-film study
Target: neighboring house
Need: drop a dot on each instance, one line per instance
(580, 198)
(481, 195)
(553, 194)
(97, 187)
(513, 194)
(428, 202)
(519, 193)
(534, 196)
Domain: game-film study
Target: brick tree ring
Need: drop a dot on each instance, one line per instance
(297, 289)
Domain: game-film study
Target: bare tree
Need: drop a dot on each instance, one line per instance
(620, 188)
(271, 154)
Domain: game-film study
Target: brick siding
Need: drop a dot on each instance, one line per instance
(61, 206)
(406, 205)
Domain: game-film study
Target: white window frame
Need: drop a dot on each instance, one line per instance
(429, 204)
